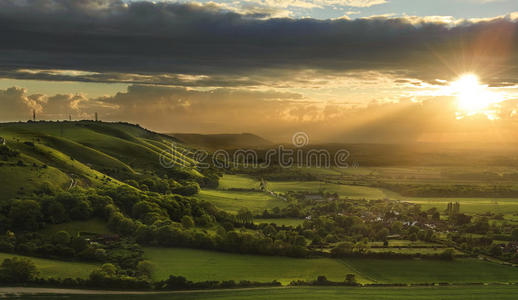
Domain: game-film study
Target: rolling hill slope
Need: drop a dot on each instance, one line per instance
(86, 153)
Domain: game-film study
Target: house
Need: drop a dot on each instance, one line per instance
(2, 141)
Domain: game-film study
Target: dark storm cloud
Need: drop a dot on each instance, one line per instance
(151, 39)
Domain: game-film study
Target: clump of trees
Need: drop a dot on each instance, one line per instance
(18, 270)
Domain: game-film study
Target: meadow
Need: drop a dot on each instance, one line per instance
(229, 181)
(57, 268)
(234, 200)
(468, 205)
(464, 270)
(200, 265)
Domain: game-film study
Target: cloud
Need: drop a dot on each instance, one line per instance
(15, 105)
(142, 42)
(315, 3)
(272, 114)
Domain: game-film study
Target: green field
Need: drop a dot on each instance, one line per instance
(233, 200)
(427, 271)
(468, 205)
(351, 191)
(324, 293)
(200, 265)
(229, 181)
(57, 268)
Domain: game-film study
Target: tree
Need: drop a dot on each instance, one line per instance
(496, 250)
(350, 279)
(187, 222)
(514, 234)
(244, 216)
(447, 254)
(25, 214)
(61, 238)
(19, 269)
(81, 211)
(145, 268)
(343, 249)
(382, 234)
(54, 212)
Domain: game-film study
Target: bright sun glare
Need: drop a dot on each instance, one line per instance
(473, 97)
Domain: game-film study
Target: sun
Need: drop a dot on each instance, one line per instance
(472, 96)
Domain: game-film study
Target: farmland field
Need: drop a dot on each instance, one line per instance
(468, 205)
(200, 265)
(56, 268)
(235, 200)
(426, 270)
(351, 191)
(229, 181)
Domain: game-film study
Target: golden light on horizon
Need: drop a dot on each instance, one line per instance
(471, 95)
(474, 97)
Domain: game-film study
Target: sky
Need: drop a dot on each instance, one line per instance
(381, 71)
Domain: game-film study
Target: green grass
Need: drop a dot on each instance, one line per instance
(324, 293)
(467, 205)
(237, 181)
(424, 251)
(93, 226)
(57, 268)
(426, 271)
(200, 265)
(21, 181)
(351, 191)
(233, 200)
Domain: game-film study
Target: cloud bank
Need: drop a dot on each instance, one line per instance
(269, 113)
(138, 42)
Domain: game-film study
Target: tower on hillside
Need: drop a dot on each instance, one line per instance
(70, 117)
(34, 115)
(96, 117)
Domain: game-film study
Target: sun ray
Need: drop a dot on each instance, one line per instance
(474, 97)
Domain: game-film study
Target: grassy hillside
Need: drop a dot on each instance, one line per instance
(86, 153)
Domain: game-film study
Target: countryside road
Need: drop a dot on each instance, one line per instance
(9, 291)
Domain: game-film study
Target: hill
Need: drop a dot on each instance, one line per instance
(222, 141)
(60, 155)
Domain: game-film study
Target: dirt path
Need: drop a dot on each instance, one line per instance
(5, 291)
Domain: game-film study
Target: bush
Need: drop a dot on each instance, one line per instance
(18, 270)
